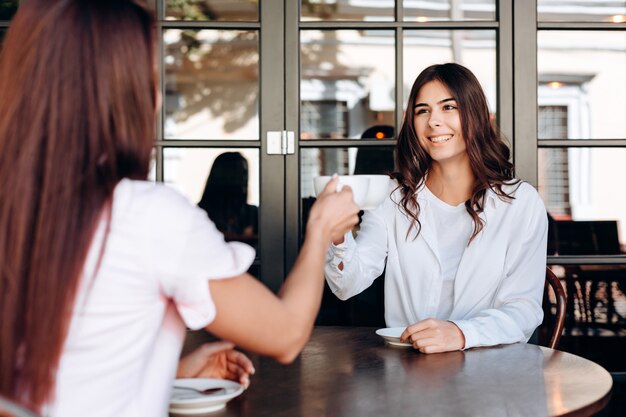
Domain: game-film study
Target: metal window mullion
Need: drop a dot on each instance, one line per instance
(346, 143)
(158, 150)
(525, 90)
(580, 26)
(399, 11)
(581, 143)
(157, 6)
(272, 114)
(160, 115)
(587, 260)
(468, 24)
(504, 71)
(399, 80)
(209, 24)
(292, 123)
(189, 143)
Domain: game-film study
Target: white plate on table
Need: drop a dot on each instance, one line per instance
(185, 401)
(392, 336)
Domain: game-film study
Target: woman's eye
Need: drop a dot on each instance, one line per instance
(449, 107)
(421, 111)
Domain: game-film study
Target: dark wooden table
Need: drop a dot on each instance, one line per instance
(350, 371)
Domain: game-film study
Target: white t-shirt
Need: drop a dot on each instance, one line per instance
(128, 323)
(453, 225)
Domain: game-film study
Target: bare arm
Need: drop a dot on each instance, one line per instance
(254, 318)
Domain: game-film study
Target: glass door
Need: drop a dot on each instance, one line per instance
(335, 73)
(221, 66)
(350, 67)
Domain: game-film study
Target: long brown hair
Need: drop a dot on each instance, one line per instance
(487, 151)
(77, 82)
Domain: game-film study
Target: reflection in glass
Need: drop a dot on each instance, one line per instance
(454, 10)
(582, 83)
(475, 49)
(225, 197)
(224, 182)
(368, 10)
(581, 11)
(211, 84)
(230, 10)
(348, 82)
(8, 9)
(584, 190)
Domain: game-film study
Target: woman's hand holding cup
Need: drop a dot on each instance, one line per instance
(334, 213)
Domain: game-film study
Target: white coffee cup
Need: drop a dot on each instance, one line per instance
(368, 191)
(377, 190)
(359, 185)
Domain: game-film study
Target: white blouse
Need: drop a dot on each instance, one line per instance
(499, 284)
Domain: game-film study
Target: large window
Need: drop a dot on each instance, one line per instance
(581, 155)
(337, 74)
(581, 98)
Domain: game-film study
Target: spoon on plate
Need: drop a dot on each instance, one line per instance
(207, 391)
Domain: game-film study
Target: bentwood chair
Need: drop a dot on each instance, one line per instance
(552, 281)
(10, 409)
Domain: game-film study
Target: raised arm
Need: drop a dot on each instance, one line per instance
(251, 316)
(351, 266)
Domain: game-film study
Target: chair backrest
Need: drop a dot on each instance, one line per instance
(553, 282)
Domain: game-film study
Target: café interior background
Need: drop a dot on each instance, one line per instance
(334, 76)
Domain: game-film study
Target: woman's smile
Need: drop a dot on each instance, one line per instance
(440, 138)
(437, 123)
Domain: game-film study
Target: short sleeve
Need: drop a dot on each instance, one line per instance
(187, 252)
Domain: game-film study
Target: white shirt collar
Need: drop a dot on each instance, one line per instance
(491, 198)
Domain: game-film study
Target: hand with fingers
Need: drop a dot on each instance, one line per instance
(216, 360)
(434, 336)
(335, 212)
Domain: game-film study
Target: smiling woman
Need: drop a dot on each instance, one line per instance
(462, 241)
(438, 125)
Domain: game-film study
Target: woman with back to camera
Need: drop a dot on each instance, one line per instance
(463, 242)
(100, 270)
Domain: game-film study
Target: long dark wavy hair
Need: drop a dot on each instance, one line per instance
(77, 81)
(487, 151)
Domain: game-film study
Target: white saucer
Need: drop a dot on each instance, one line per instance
(392, 336)
(187, 402)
